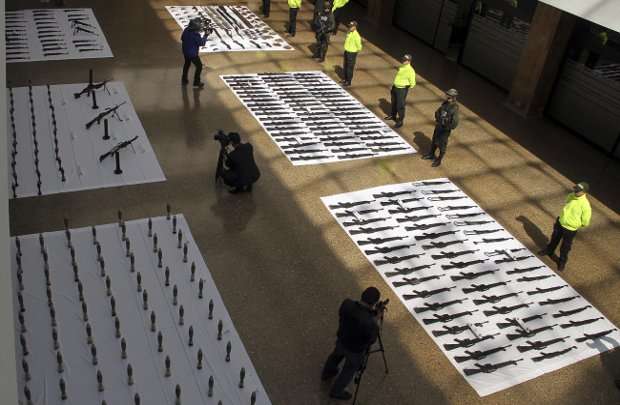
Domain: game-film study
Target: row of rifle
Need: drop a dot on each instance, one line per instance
(60, 364)
(17, 47)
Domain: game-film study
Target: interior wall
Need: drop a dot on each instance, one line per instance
(8, 382)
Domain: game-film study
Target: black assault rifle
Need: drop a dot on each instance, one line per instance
(489, 367)
(102, 115)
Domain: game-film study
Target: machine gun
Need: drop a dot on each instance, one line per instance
(467, 342)
(436, 235)
(506, 309)
(426, 293)
(462, 265)
(539, 344)
(561, 313)
(91, 87)
(441, 245)
(539, 290)
(572, 324)
(425, 226)
(494, 299)
(395, 259)
(452, 255)
(471, 276)
(115, 151)
(544, 356)
(513, 259)
(379, 241)
(446, 317)
(529, 333)
(514, 322)
(102, 115)
(387, 249)
(483, 287)
(594, 336)
(415, 281)
(407, 271)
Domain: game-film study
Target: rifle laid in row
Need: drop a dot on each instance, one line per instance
(517, 270)
(444, 318)
(388, 194)
(426, 293)
(455, 330)
(480, 354)
(539, 344)
(441, 245)
(455, 207)
(407, 271)
(492, 240)
(471, 276)
(539, 290)
(526, 279)
(414, 218)
(416, 280)
(483, 287)
(425, 226)
(552, 301)
(436, 235)
(513, 259)
(506, 309)
(439, 191)
(444, 198)
(395, 259)
(462, 265)
(544, 356)
(562, 313)
(360, 222)
(460, 343)
(379, 241)
(573, 324)
(407, 210)
(398, 202)
(436, 306)
(367, 231)
(468, 215)
(530, 332)
(514, 322)
(387, 249)
(452, 255)
(494, 299)
(470, 223)
(471, 232)
(489, 367)
(349, 204)
(594, 336)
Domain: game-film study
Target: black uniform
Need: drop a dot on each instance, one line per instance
(319, 6)
(266, 7)
(242, 170)
(292, 20)
(325, 24)
(447, 119)
(357, 330)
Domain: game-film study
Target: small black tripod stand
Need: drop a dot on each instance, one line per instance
(360, 373)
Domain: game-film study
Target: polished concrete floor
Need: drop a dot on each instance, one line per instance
(279, 260)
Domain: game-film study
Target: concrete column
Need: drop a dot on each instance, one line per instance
(381, 12)
(540, 60)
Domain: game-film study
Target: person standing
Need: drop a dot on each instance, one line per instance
(404, 80)
(446, 119)
(293, 9)
(575, 215)
(337, 9)
(352, 46)
(357, 331)
(266, 8)
(191, 41)
(325, 25)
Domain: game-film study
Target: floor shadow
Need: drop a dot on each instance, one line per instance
(339, 71)
(422, 141)
(313, 48)
(533, 231)
(235, 211)
(610, 361)
(385, 106)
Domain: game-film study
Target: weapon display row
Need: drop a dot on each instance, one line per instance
(43, 34)
(141, 252)
(235, 28)
(312, 119)
(453, 265)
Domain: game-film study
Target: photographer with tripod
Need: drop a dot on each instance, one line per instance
(191, 42)
(236, 165)
(358, 329)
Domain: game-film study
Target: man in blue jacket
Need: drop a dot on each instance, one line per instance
(191, 43)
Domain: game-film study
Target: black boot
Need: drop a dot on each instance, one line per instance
(436, 162)
(428, 156)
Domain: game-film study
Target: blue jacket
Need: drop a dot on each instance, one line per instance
(191, 42)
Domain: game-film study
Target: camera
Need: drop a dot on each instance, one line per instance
(206, 24)
(222, 138)
(381, 306)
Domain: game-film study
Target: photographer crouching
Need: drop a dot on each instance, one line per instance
(236, 165)
(358, 329)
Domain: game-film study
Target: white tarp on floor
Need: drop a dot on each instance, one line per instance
(314, 120)
(54, 34)
(147, 362)
(48, 140)
(236, 28)
(497, 312)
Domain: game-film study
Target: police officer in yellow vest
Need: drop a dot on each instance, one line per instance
(352, 46)
(337, 9)
(575, 215)
(293, 8)
(404, 80)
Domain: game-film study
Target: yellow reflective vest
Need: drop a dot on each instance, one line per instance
(576, 213)
(353, 42)
(338, 4)
(294, 3)
(405, 77)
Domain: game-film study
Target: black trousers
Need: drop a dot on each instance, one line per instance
(322, 42)
(439, 141)
(292, 20)
(349, 65)
(337, 19)
(197, 63)
(399, 98)
(561, 234)
(352, 363)
(266, 7)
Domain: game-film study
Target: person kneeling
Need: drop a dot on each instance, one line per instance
(241, 170)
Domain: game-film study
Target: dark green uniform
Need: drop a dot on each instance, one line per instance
(447, 119)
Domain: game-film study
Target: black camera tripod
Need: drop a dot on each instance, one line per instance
(369, 351)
